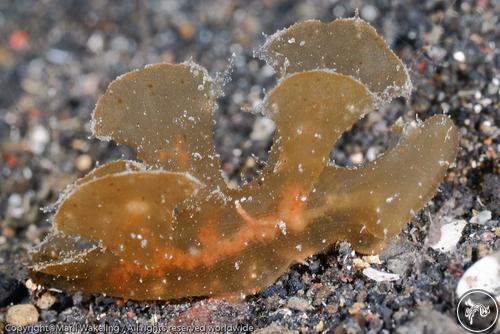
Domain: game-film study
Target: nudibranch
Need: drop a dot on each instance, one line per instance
(169, 227)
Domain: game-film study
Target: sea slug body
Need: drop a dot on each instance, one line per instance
(169, 227)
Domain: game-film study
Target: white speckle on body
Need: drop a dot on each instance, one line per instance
(282, 226)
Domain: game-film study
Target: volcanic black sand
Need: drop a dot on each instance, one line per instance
(57, 57)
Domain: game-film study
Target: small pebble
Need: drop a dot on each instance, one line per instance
(38, 138)
(356, 158)
(46, 301)
(83, 162)
(481, 218)
(186, 30)
(487, 236)
(263, 128)
(33, 233)
(319, 327)
(332, 308)
(299, 304)
(399, 265)
(96, 42)
(369, 12)
(8, 232)
(459, 56)
(356, 308)
(30, 285)
(273, 329)
(482, 250)
(22, 315)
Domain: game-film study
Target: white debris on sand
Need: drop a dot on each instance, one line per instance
(450, 234)
(484, 274)
(379, 276)
(481, 217)
(39, 137)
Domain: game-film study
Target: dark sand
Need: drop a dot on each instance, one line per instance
(56, 58)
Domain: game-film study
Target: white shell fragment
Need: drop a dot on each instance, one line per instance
(484, 274)
(481, 217)
(380, 276)
(450, 234)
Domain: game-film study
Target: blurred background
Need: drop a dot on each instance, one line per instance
(57, 57)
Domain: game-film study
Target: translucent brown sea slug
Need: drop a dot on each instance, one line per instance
(170, 227)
